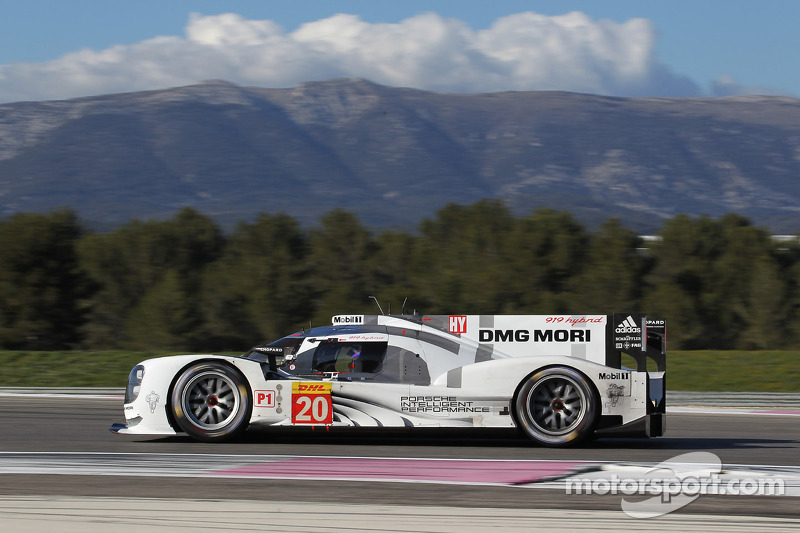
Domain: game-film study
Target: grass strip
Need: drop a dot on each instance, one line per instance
(69, 368)
(734, 371)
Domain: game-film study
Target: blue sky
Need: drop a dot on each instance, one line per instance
(59, 48)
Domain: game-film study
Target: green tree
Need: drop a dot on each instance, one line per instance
(767, 317)
(258, 290)
(164, 317)
(682, 279)
(128, 263)
(710, 282)
(744, 272)
(339, 259)
(42, 286)
(462, 258)
(612, 276)
(787, 256)
(548, 253)
(399, 270)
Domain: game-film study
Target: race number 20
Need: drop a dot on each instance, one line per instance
(311, 403)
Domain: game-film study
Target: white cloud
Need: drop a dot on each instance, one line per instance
(525, 51)
(726, 85)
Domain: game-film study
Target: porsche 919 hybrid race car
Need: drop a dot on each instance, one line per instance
(558, 378)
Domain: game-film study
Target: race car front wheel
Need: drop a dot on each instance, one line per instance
(211, 402)
(556, 406)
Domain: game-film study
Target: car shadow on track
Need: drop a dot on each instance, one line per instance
(374, 437)
(503, 438)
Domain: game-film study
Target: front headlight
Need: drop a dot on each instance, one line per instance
(134, 383)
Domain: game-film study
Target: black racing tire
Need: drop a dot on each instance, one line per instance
(211, 402)
(556, 407)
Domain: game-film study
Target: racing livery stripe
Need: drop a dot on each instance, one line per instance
(454, 378)
(484, 352)
(446, 344)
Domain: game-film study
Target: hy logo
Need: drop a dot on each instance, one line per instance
(458, 324)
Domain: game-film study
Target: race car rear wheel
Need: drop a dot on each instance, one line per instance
(211, 401)
(556, 406)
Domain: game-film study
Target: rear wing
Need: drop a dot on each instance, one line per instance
(640, 337)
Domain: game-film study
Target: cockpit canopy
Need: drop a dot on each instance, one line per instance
(344, 353)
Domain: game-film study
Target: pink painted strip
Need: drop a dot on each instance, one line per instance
(505, 472)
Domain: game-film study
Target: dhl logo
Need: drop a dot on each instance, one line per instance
(311, 388)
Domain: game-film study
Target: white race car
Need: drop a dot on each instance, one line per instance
(558, 378)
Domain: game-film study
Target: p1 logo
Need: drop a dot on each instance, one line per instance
(311, 403)
(265, 398)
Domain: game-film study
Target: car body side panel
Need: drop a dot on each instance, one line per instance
(480, 395)
(475, 365)
(621, 392)
(147, 414)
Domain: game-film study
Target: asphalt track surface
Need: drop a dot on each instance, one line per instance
(59, 425)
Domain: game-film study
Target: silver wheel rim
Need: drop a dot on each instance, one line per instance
(556, 405)
(210, 400)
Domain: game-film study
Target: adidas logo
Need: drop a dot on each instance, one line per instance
(628, 326)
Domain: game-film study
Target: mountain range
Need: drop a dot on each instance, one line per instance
(393, 156)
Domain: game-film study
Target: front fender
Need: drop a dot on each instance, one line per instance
(148, 413)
